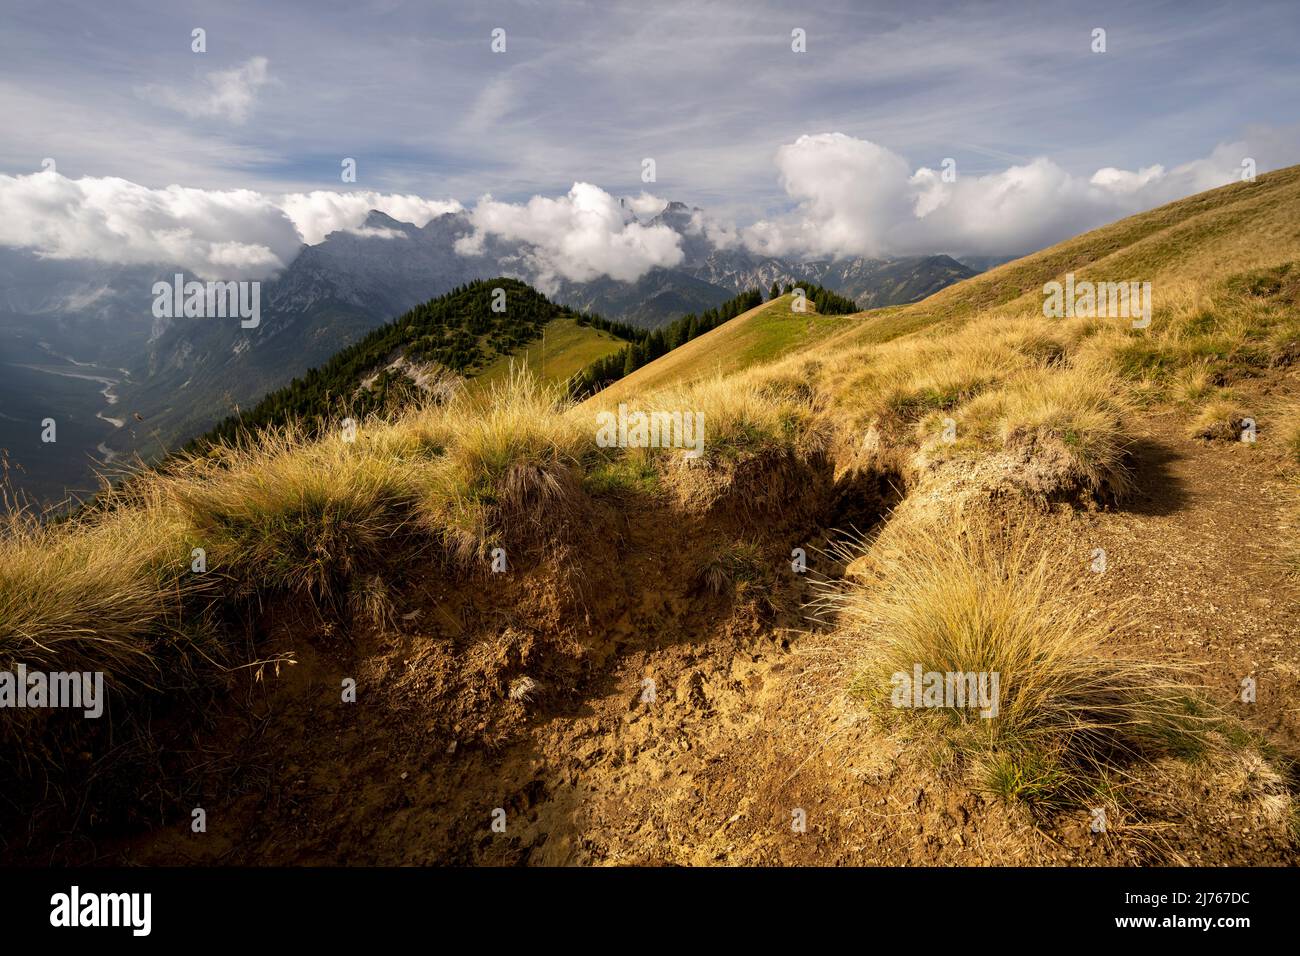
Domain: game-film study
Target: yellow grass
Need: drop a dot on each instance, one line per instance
(97, 595)
(969, 596)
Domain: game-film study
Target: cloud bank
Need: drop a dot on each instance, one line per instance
(850, 197)
(211, 233)
(857, 198)
(581, 236)
(316, 214)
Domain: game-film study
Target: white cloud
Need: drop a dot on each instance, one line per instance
(222, 94)
(245, 234)
(581, 236)
(858, 198)
(211, 233)
(852, 197)
(1123, 181)
(850, 193)
(233, 233)
(721, 235)
(318, 213)
(377, 232)
(491, 105)
(645, 205)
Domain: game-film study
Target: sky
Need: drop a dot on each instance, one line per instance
(225, 159)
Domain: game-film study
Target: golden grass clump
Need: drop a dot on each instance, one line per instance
(732, 566)
(971, 596)
(513, 460)
(283, 511)
(1220, 419)
(93, 594)
(1194, 384)
(1066, 429)
(1203, 334)
(757, 449)
(890, 387)
(286, 513)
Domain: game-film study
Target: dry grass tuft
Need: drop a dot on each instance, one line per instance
(283, 513)
(731, 567)
(102, 593)
(971, 596)
(1221, 419)
(512, 463)
(1058, 431)
(759, 451)
(370, 600)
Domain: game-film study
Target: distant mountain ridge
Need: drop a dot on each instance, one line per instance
(334, 292)
(871, 282)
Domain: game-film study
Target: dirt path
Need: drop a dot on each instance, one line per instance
(1200, 550)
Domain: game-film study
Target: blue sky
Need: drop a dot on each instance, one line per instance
(711, 91)
(584, 91)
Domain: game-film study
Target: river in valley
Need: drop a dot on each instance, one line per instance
(82, 398)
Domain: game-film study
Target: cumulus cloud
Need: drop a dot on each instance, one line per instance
(850, 197)
(221, 94)
(857, 198)
(721, 235)
(645, 205)
(233, 233)
(211, 233)
(248, 234)
(580, 236)
(316, 214)
(1123, 181)
(849, 193)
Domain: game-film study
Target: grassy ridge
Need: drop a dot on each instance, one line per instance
(564, 348)
(764, 333)
(466, 331)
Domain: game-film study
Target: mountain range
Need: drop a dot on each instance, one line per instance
(121, 382)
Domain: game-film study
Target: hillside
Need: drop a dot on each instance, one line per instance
(878, 283)
(174, 379)
(763, 333)
(637, 656)
(482, 335)
(1175, 247)
(339, 290)
(872, 282)
(651, 301)
(563, 349)
(1178, 247)
(478, 328)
